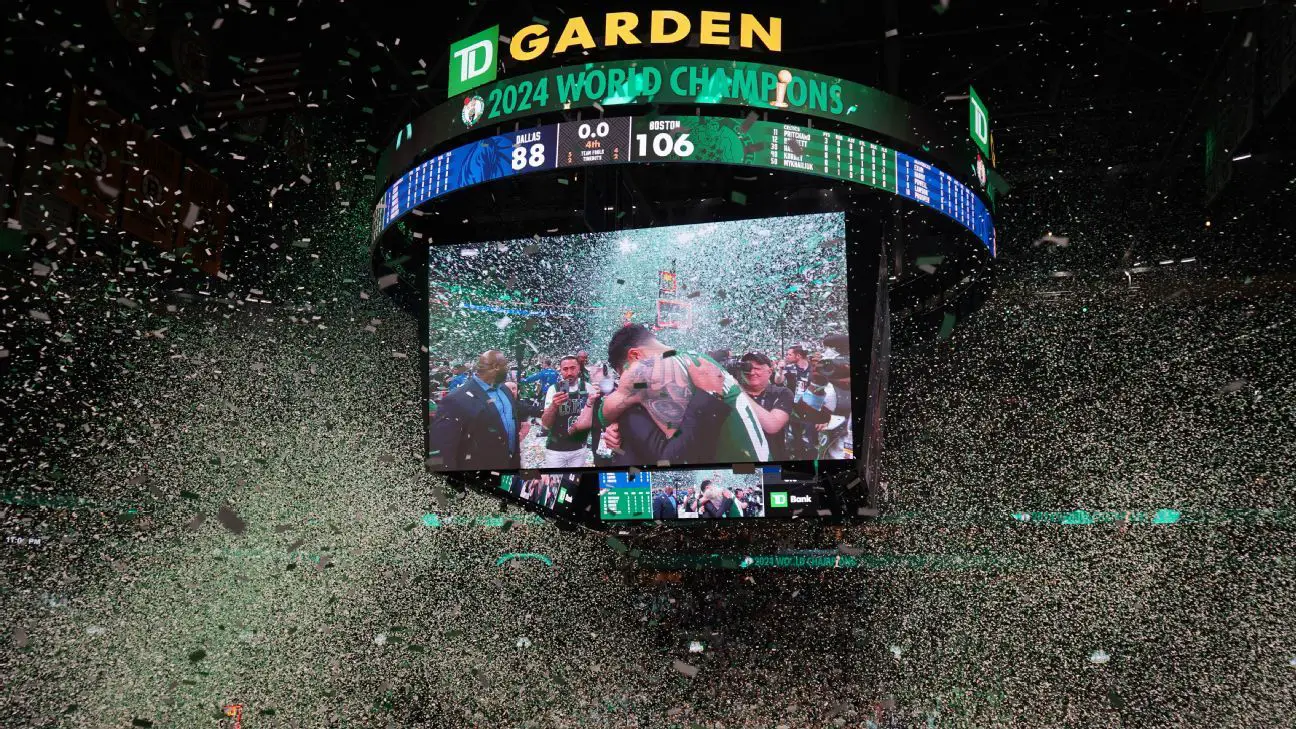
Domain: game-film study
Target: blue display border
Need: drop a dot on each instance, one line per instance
(465, 166)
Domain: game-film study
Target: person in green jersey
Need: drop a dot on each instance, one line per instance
(664, 380)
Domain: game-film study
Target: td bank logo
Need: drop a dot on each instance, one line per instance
(472, 61)
(778, 499)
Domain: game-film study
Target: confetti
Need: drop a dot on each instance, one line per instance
(191, 217)
(231, 521)
(1118, 418)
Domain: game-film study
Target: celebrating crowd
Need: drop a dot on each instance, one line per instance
(648, 404)
(708, 500)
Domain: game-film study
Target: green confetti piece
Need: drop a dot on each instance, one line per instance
(1166, 516)
(947, 326)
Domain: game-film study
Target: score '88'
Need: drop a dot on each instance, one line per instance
(521, 160)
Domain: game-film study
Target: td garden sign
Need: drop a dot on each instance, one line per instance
(473, 60)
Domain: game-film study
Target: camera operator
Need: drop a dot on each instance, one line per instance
(794, 369)
(832, 368)
(794, 374)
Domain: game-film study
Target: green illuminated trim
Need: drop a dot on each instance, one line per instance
(667, 81)
(522, 555)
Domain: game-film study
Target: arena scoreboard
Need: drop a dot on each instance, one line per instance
(659, 139)
(674, 271)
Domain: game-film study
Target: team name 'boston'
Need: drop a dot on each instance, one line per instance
(664, 27)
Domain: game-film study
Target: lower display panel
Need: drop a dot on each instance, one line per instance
(675, 495)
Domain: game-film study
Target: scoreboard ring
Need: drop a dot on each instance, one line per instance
(666, 139)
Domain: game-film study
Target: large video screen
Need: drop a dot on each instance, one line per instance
(707, 344)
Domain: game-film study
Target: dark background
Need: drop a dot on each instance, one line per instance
(229, 493)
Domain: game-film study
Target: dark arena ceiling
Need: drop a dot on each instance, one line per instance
(214, 492)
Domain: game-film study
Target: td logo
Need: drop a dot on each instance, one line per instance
(472, 61)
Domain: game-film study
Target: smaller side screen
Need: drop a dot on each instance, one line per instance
(692, 494)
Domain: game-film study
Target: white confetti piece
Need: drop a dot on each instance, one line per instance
(191, 216)
(1055, 241)
(686, 669)
(1234, 386)
(1099, 657)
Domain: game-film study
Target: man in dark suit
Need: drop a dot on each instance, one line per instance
(476, 426)
(664, 506)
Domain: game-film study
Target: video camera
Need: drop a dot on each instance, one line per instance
(833, 362)
(731, 364)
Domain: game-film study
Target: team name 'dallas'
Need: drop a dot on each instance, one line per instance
(473, 60)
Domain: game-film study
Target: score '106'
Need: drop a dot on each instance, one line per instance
(665, 144)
